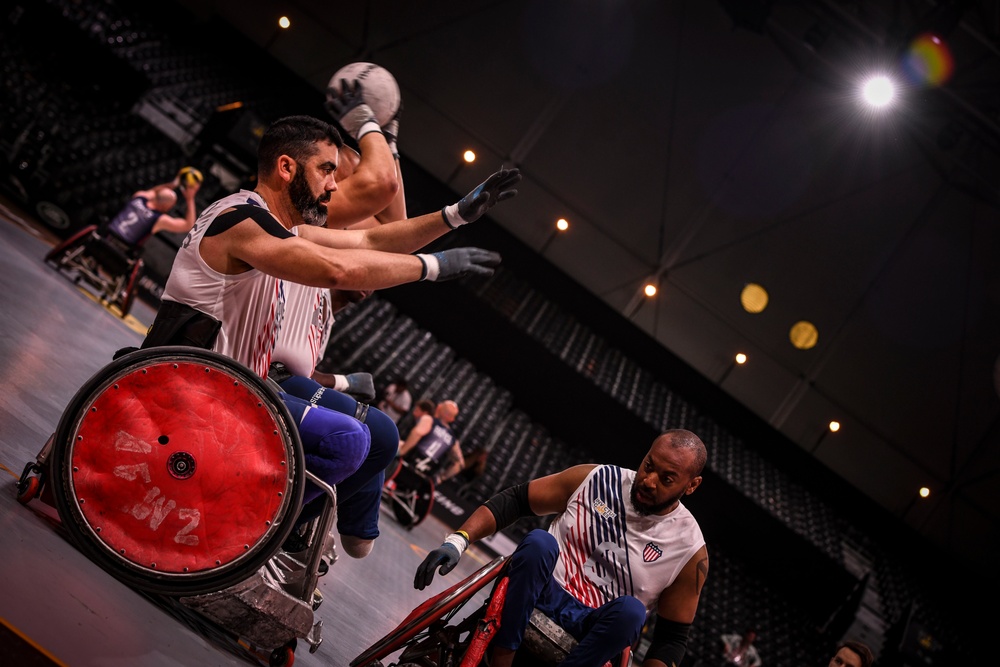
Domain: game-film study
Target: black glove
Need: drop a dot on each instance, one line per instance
(459, 262)
(445, 556)
(359, 385)
(348, 106)
(472, 206)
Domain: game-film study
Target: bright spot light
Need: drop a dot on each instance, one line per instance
(741, 358)
(924, 492)
(562, 224)
(469, 156)
(878, 91)
(284, 22)
(834, 426)
(650, 289)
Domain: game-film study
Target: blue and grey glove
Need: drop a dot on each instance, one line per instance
(359, 385)
(472, 206)
(348, 106)
(458, 262)
(443, 559)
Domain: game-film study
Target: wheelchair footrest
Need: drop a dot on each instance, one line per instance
(546, 639)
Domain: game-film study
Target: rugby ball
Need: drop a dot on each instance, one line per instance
(378, 87)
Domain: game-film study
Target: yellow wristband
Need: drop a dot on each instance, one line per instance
(465, 535)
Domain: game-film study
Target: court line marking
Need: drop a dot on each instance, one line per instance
(32, 642)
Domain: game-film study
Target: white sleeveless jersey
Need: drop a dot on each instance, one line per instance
(607, 549)
(306, 328)
(250, 305)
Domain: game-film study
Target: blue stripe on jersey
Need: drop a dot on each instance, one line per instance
(621, 515)
(606, 486)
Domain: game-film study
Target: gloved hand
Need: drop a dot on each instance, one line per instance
(391, 132)
(472, 206)
(459, 262)
(359, 385)
(348, 106)
(444, 559)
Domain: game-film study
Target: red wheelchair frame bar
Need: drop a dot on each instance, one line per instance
(433, 616)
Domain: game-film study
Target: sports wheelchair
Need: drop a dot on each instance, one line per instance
(103, 262)
(409, 490)
(428, 637)
(151, 469)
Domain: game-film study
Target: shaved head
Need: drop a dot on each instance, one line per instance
(447, 411)
(681, 439)
(164, 200)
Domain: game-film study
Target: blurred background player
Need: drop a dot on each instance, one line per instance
(396, 399)
(432, 446)
(148, 211)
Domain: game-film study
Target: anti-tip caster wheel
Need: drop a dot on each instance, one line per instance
(28, 489)
(283, 656)
(29, 484)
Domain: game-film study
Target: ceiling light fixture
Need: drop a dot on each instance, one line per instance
(804, 335)
(753, 298)
(879, 91)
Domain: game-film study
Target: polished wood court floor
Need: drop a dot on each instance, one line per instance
(57, 605)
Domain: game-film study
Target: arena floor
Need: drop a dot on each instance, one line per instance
(56, 606)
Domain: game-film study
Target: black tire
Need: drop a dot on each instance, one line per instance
(53, 215)
(84, 455)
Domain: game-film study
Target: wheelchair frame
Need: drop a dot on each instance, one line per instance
(410, 504)
(133, 465)
(106, 265)
(430, 639)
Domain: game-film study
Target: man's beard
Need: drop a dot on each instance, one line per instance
(312, 209)
(648, 510)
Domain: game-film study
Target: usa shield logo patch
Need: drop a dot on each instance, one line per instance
(651, 552)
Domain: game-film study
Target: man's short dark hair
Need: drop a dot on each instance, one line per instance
(296, 137)
(865, 653)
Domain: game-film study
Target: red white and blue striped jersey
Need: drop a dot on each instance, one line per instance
(250, 305)
(607, 549)
(306, 328)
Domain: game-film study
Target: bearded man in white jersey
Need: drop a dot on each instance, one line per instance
(226, 291)
(369, 193)
(621, 546)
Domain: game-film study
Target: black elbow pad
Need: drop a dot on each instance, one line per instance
(669, 642)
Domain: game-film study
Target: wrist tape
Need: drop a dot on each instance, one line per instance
(368, 126)
(459, 541)
(451, 216)
(432, 268)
